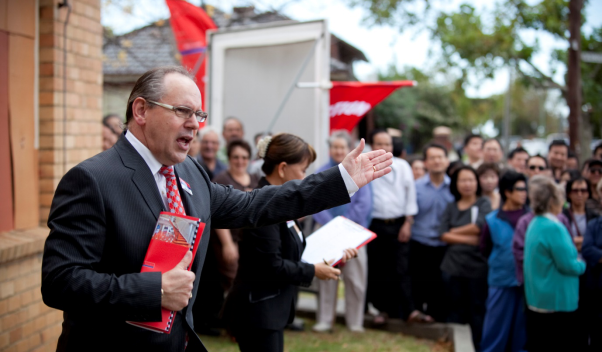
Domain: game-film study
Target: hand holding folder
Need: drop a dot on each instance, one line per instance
(177, 285)
(172, 246)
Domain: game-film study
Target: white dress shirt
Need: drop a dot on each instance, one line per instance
(395, 193)
(154, 165)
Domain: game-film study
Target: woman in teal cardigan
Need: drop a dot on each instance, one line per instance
(552, 270)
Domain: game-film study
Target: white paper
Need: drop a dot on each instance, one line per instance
(332, 239)
(474, 213)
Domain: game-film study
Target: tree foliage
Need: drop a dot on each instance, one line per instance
(418, 110)
(481, 43)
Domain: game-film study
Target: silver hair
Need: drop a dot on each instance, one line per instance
(206, 130)
(340, 134)
(544, 193)
(150, 86)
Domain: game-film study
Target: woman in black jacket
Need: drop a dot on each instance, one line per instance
(580, 212)
(263, 298)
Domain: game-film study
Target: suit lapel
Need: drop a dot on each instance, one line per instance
(142, 177)
(187, 199)
(300, 244)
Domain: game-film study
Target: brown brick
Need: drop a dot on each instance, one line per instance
(13, 319)
(48, 334)
(22, 346)
(73, 100)
(4, 340)
(46, 199)
(51, 157)
(14, 303)
(7, 289)
(48, 12)
(48, 98)
(49, 84)
(15, 335)
(33, 310)
(50, 142)
(27, 282)
(50, 113)
(33, 341)
(29, 328)
(48, 185)
(27, 297)
(3, 306)
(51, 170)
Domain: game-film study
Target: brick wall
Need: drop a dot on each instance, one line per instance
(84, 91)
(26, 323)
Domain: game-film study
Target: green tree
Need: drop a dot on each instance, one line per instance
(418, 110)
(480, 44)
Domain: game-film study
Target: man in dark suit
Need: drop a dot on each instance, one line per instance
(105, 209)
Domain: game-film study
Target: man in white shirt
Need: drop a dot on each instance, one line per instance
(394, 204)
(105, 209)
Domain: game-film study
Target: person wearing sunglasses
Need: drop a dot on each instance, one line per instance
(536, 165)
(579, 213)
(504, 324)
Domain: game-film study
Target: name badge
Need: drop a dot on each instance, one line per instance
(185, 186)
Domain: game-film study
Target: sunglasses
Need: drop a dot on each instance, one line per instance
(540, 168)
(579, 190)
(520, 189)
(596, 170)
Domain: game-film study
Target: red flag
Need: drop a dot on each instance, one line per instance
(350, 101)
(189, 24)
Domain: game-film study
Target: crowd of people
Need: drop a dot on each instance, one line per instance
(105, 209)
(511, 246)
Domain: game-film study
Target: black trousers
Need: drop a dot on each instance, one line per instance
(427, 282)
(210, 296)
(389, 284)
(467, 298)
(552, 331)
(590, 315)
(252, 340)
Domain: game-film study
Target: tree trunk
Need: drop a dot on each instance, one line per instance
(574, 74)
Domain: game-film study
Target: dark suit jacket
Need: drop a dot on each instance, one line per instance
(264, 294)
(101, 220)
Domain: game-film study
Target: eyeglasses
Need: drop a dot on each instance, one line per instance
(579, 190)
(596, 170)
(520, 189)
(183, 112)
(540, 168)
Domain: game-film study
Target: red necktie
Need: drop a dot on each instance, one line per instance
(171, 188)
(175, 203)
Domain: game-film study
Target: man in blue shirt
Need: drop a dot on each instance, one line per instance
(426, 249)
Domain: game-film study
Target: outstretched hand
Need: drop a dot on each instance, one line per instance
(367, 167)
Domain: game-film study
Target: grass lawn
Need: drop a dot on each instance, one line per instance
(340, 340)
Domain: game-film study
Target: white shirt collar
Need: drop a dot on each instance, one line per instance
(153, 164)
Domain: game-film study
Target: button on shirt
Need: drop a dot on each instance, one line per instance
(394, 194)
(432, 201)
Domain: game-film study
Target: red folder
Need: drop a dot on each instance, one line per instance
(174, 235)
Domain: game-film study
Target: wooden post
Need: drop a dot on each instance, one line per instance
(574, 73)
